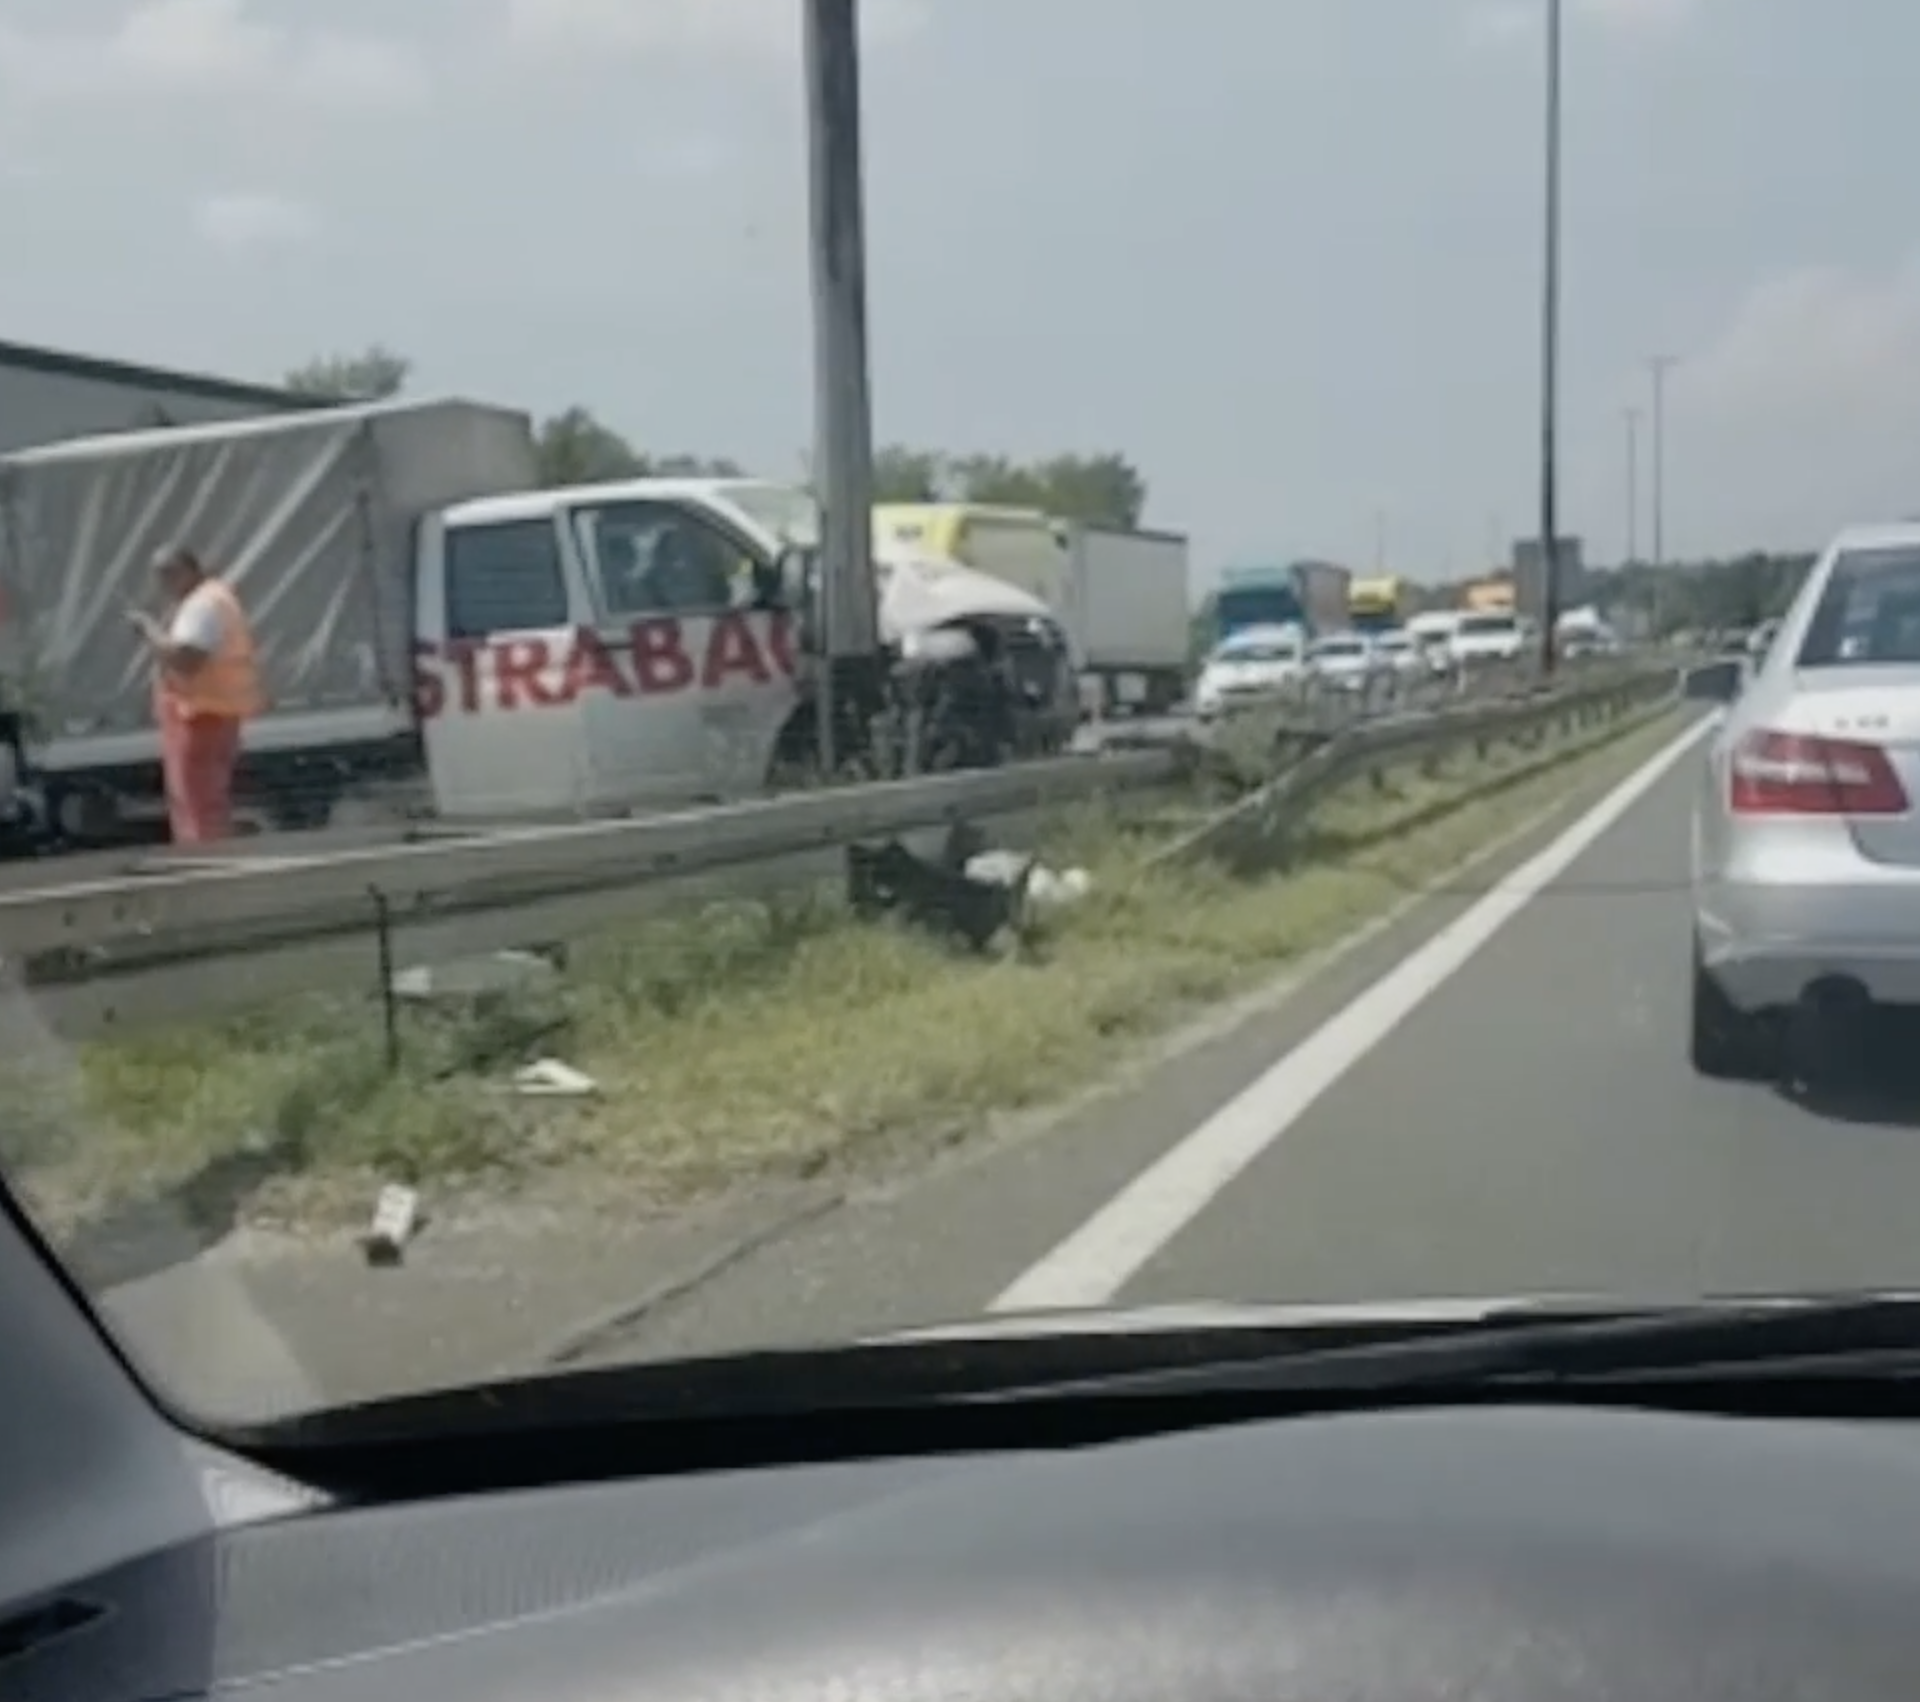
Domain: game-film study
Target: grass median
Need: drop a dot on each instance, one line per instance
(750, 1041)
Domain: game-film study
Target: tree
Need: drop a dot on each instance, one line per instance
(370, 376)
(1102, 490)
(908, 475)
(576, 449)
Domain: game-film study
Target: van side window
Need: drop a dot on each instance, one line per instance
(656, 558)
(504, 577)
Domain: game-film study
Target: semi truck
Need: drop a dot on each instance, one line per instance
(438, 636)
(1379, 605)
(1312, 595)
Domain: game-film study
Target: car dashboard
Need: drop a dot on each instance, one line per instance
(1498, 1553)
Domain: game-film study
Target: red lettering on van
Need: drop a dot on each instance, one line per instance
(429, 688)
(592, 666)
(732, 649)
(532, 673)
(661, 664)
(521, 669)
(464, 654)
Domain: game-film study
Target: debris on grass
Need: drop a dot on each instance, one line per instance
(747, 1040)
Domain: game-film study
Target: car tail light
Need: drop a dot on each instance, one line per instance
(1799, 774)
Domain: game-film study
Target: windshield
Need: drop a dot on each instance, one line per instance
(474, 905)
(1869, 611)
(1257, 605)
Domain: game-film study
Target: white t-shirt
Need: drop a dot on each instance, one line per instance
(200, 622)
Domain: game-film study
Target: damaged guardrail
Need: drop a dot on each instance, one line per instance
(108, 954)
(1254, 830)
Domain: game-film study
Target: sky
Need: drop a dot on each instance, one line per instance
(1286, 256)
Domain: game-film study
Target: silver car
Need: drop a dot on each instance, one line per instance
(1806, 841)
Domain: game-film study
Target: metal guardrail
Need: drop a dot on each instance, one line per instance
(258, 904)
(539, 862)
(1252, 829)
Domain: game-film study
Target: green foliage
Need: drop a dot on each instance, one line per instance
(577, 448)
(1104, 489)
(373, 375)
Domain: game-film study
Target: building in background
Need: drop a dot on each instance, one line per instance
(47, 396)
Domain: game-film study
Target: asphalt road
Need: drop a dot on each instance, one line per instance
(1490, 1095)
(1530, 1123)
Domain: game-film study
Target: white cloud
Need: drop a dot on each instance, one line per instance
(1801, 414)
(207, 48)
(1819, 344)
(734, 28)
(249, 222)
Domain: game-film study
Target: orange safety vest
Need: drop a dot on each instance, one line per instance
(227, 684)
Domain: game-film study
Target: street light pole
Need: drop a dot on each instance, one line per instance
(847, 614)
(1550, 358)
(1657, 368)
(1633, 488)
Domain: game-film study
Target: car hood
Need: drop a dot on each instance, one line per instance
(918, 592)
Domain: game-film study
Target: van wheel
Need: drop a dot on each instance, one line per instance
(1725, 1044)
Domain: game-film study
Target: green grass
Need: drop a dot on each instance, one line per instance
(753, 1040)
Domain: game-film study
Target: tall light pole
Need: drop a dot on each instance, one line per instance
(1550, 358)
(1633, 488)
(848, 617)
(1658, 366)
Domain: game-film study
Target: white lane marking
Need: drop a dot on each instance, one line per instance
(1094, 1263)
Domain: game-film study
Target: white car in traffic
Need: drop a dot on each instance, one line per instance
(1482, 638)
(1401, 656)
(1805, 835)
(1343, 662)
(1255, 664)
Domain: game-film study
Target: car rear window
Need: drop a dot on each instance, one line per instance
(1869, 611)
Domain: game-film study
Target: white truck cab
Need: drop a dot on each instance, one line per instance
(598, 648)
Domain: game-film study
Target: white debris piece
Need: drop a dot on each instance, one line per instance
(549, 1078)
(474, 977)
(396, 1216)
(1046, 887)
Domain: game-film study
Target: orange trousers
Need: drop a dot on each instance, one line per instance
(198, 755)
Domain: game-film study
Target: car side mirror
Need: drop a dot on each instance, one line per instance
(1715, 682)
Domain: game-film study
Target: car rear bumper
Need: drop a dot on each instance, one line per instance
(1765, 943)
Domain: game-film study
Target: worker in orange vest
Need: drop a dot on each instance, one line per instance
(206, 688)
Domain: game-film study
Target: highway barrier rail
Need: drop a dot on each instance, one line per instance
(189, 932)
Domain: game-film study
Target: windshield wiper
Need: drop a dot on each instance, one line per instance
(953, 1394)
(1712, 1341)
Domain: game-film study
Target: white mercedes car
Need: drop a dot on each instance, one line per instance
(1806, 841)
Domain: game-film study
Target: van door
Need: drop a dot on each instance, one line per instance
(503, 733)
(677, 593)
